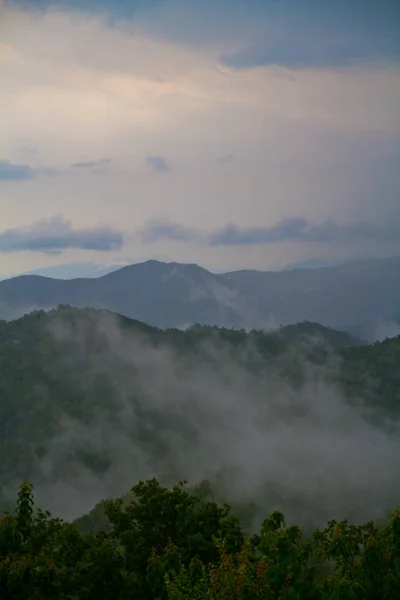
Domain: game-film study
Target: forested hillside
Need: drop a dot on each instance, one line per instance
(91, 401)
(294, 420)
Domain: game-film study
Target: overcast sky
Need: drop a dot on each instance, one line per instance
(234, 134)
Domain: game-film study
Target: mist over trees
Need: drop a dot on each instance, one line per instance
(297, 418)
(301, 422)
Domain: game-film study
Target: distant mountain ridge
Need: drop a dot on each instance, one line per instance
(355, 296)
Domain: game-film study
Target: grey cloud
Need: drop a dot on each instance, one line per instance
(304, 55)
(12, 172)
(161, 229)
(158, 163)
(91, 163)
(293, 56)
(362, 36)
(232, 235)
(300, 229)
(114, 9)
(28, 150)
(57, 234)
(226, 158)
(290, 229)
(46, 171)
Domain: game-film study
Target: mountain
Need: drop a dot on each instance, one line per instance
(74, 270)
(356, 296)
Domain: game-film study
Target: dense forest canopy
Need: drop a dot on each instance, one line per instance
(171, 544)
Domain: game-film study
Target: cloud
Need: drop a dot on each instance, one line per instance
(290, 56)
(297, 229)
(15, 172)
(91, 163)
(158, 163)
(28, 150)
(12, 172)
(337, 35)
(225, 158)
(303, 230)
(57, 234)
(162, 229)
(116, 9)
(386, 329)
(263, 33)
(317, 142)
(46, 171)
(303, 53)
(231, 235)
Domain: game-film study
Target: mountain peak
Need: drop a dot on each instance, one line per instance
(352, 296)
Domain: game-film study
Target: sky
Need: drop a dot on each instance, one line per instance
(241, 134)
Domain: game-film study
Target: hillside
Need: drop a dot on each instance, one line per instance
(357, 296)
(91, 401)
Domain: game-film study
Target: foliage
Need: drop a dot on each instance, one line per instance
(167, 544)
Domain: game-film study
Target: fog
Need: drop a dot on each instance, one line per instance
(386, 329)
(10, 313)
(211, 416)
